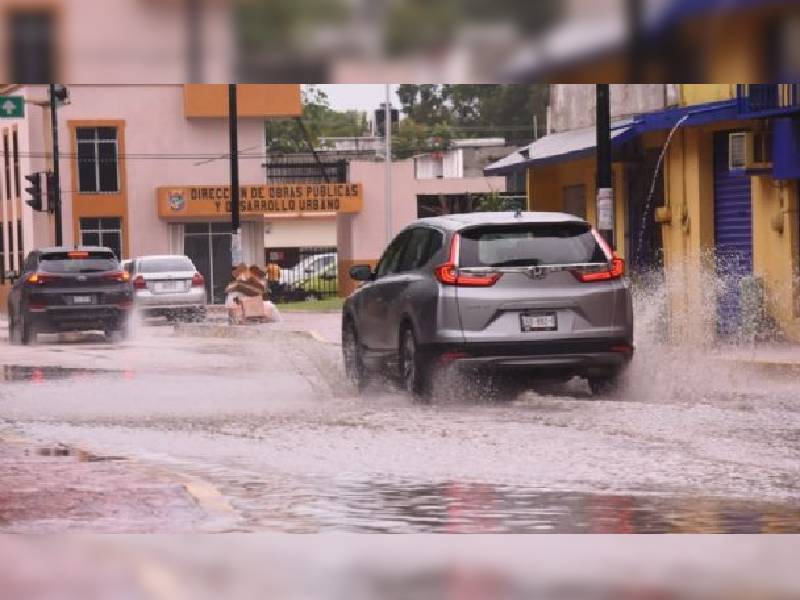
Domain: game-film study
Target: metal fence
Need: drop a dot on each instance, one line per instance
(308, 273)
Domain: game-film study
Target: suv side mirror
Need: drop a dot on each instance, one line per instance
(360, 273)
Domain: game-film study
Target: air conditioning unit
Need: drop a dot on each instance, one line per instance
(750, 150)
(737, 151)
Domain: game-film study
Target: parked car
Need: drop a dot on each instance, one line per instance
(526, 293)
(69, 289)
(307, 267)
(170, 286)
(321, 284)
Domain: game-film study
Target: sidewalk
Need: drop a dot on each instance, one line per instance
(773, 358)
(55, 489)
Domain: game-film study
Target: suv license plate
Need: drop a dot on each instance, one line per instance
(82, 300)
(538, 322)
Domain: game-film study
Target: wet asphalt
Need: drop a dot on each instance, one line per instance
(269, 426)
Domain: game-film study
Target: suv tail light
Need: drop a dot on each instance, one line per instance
(120, 276)
(448, 273)
(139, 283)
(42, 278)
(617, 265)
(616, 271)
(198, 280)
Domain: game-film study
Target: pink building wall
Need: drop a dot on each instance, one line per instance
(363, 236)
(162, 148)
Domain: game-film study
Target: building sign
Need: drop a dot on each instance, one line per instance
(259, 200)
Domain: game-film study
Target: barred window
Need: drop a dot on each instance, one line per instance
(98, 168)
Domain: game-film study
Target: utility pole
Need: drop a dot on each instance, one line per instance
(236, 238)
(605, 191)
(387, 132)
(56, 176)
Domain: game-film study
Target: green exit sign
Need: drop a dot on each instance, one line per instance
(12, 107)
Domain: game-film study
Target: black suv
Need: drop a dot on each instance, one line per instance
(70, 289)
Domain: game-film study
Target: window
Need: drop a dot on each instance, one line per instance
(20, 245)
(391, 257)
(7, 164)
(165, 265)
(423, 244)
(105, 231)
(31, 46)
(530, 244)
(98, 169)
(15, 148)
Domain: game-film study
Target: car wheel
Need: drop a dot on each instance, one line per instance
(27, 332)
(14, 336)
(414, 373)
(354, 368)
(602, 386)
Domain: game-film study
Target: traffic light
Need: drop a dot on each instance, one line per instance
(35, 201)
(52, 194)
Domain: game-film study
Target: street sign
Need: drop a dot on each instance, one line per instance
(12, 107)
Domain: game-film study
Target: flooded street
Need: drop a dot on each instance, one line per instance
(284, 445)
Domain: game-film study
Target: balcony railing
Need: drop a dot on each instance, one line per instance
(767, 99)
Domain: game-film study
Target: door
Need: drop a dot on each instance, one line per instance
(733, 235)
(372, 297)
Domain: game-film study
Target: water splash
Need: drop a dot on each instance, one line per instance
(649, 201)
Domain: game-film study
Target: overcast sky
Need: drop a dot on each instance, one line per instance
(358, 96)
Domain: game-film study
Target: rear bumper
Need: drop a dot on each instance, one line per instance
(64, 318)
(195, 298)
(545, 358)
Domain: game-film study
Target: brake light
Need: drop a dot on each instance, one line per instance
(139, 283)
(120, 276)
(616, 271)
(198, 280)
(42, 278)
(78, 254)
(448, 273)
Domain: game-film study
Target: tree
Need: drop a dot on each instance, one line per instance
(320, 121)
(415, 138)
(478, 110)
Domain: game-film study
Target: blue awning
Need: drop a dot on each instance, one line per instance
(579, 143)
(559, 147)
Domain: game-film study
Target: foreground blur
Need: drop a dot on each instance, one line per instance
(399, 567)
(399, 40)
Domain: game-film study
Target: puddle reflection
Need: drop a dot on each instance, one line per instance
(20, 373)
(483, 508)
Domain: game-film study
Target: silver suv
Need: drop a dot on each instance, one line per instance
(533, 293)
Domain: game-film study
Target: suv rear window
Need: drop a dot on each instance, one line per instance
(529, 244)
(92, 262)
(165, 265)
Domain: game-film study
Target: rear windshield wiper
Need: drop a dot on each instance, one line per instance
(518, 262)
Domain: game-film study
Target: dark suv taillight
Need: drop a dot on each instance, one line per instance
(120, 276)
(42, 278)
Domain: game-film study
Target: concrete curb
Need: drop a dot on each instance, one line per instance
(207, 330)
(761, 367)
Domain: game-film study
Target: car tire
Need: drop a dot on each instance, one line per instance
(352, 354)
(604, 385)
(27, 332)
(14, 335)
(415, 376)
